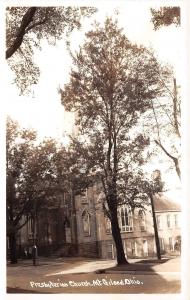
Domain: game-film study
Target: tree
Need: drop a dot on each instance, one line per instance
(133, 187)
(165, 16)
(36, 174)
(27, 26)
(112, 84)
(174, 127)
(169, 108)
(16, 156)
(151, 187)
(30, 179)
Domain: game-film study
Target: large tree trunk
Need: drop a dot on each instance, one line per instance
(13, 250)
(112, 192)
(117, 238)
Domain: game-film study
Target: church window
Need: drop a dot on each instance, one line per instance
(125, 218)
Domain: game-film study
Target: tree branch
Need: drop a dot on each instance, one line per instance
(37, 24)
(157, 125)
(26, 20)
(20, 214)
(176, 124)
(175, 160)
(164, 149)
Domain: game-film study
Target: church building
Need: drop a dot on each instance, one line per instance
(80, 228)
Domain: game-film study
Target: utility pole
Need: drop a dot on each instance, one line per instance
(34, 247)
(74, 238)
(158, 251)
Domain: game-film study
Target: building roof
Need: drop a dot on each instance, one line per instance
(164, 204)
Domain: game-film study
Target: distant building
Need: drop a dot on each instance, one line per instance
(168, 219)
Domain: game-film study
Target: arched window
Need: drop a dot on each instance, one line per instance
(142, 220)
(125, 218)
(86, 222)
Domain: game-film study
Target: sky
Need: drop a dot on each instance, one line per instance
(42, 109)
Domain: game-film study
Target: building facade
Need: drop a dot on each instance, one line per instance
(79, 226)
(50, 230)
(94, 228)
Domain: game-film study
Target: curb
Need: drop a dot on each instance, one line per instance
(132, 272)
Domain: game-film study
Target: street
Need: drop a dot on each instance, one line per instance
(79, 275)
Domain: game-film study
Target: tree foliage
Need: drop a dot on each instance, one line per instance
(37, 174)
(25, 29)
(28, 173)
(112, 84)
(165, 16)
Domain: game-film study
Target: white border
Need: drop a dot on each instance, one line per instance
(185, 6)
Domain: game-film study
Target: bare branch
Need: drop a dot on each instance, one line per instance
(176, 124)
(157, 125)
(175, 160)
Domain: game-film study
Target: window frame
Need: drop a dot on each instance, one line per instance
(108, 225)
(142, 220)
(86, 232)
(110, 250)
(171, 243)
(168, 219)
(159, 221)
(176, 220)
(125, 218)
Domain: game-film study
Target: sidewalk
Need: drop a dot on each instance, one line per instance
(147, 266)
(71, 271)
(80, 265)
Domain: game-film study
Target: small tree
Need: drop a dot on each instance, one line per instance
(36, 174)
(140, 192)
(151, 187)
(16, 156)
(30, 179)
(112, 84)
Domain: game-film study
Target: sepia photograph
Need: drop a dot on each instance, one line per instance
(94, 200)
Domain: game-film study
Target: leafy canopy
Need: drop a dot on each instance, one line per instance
(25, 29)
(165, 16)
(37, 174)
(112, 84)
